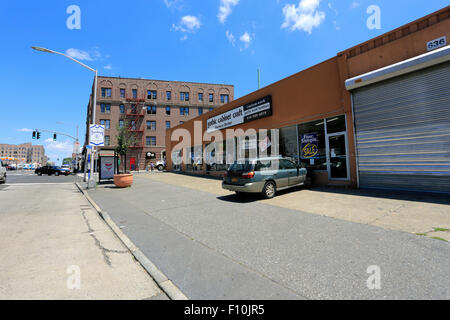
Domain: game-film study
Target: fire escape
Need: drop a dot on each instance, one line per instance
(134, 115)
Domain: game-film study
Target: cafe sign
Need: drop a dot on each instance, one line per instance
(252, 111)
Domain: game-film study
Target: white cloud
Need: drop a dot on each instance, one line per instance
(25, 130)
(304, 17)
(246, 38)
(188, 24)
(355, 4)
(333, 8)
(65, 147)
(108, 67)
(230, 37)
(80, 54)
(174, 4)
(225, 9)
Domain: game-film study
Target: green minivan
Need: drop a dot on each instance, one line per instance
(264, 175)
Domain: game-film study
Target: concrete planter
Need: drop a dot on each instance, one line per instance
(123, 180)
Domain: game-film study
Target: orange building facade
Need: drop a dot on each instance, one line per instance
(330, 106)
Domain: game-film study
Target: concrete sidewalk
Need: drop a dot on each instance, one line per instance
(229, 247)
(52, 240)
(421, 214)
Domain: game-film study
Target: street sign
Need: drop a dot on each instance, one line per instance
(76, 147)
(96, 135)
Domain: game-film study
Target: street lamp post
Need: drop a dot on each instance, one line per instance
(94, 107)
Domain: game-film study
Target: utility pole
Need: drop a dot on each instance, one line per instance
(259, 79)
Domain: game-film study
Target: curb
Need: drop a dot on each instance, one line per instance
(160, 278)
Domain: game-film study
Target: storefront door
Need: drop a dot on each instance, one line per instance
(337, 161)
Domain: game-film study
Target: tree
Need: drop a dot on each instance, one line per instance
(125, 139)
(67, 161)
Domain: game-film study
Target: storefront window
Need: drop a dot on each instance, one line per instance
(196, 156)
(313, 144)
(336, 124)
(288, 143)
(221, 151)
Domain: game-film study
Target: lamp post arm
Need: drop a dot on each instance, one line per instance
(80, 63)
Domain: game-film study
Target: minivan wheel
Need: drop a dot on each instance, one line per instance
(269, 190)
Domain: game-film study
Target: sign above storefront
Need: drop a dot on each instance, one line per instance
(249, 112)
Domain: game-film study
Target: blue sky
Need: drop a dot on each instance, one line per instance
(215, 41)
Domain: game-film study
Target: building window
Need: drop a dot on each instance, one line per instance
(107, 140)
(122, 108)
(211, 109)
(122, 93)
(200, 111)
(184, 111)
(184, 96)
(121, 124)
(211, 97)
(181, 122)
(224, 98)
(105, 123)
(151, 94)
(134, 93)
(168, 111)
(151, 109)
(168, 95)
(167, 124)
(106, 92)
(200, 96)
(150, 141)
(133, 125)
(151, 125)
(105, 108)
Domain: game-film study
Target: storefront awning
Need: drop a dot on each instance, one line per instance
(420, 62)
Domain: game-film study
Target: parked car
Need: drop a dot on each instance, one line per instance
(2, 172)
(264, 175)
(66, 168)
(10, 167)
(160, 165)
(50, 170)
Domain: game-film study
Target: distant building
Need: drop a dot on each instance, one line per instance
(150, 107)
(23, 153)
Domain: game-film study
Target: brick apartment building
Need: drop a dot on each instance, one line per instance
(23, 153)
(150, 107)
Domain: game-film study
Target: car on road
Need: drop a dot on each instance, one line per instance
(66, 168)
(2, 172)
(50, 170)
(160, 165)
(265, 176)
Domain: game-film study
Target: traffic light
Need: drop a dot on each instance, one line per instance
(38, 135)
(54, 137)
(34, 135)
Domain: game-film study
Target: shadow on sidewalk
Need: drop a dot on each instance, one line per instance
(372, 193)
(388, 194)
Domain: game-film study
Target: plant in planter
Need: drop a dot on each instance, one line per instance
(125, 139)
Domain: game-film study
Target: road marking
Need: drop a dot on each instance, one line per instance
(39, 183)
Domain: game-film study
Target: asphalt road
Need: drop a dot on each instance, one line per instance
(15, 177)
(227, 247)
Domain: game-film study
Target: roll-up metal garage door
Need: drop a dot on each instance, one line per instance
(402, 130)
